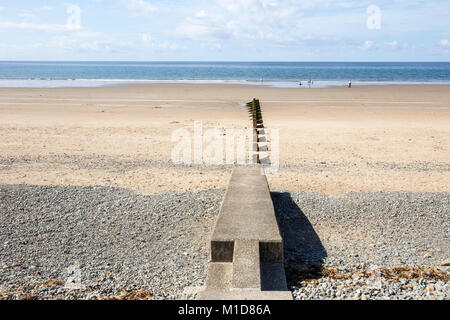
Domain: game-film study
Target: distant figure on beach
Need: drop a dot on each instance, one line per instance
(299, 83)
(262, 80)
(350, 84)
(309, 83)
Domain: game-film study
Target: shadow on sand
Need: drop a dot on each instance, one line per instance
(304, 253)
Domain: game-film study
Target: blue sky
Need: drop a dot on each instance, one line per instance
(226, 30)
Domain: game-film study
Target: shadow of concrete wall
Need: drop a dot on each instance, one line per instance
(304, 253)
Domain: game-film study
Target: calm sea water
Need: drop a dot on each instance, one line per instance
(281, 74)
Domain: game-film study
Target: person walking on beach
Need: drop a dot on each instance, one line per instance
(309, 83)
(299, 83)
(350, 83)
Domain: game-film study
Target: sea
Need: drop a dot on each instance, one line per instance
(35, 74)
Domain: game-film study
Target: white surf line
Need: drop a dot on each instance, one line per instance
(215, 101)
(112, 99)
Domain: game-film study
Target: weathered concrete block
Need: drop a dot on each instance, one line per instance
(222, 251)
(271, 252)
(219, 276)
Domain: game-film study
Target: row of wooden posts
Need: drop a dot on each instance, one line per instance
(254, 110)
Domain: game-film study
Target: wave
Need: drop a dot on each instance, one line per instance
(70, 82)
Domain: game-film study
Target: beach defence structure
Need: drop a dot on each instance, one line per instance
(246, 245)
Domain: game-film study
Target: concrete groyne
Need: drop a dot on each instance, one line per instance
(246, 245)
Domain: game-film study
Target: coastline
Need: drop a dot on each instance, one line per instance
(96, 83)
(275, 74)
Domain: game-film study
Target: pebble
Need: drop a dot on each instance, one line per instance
(446, 263)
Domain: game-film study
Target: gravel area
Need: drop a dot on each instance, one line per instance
(384, 245)
(99, 242)
(103, 243)
(93, 162)
(115, 164)
(318, 166)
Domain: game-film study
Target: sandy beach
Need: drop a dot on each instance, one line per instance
(332, 140)
(367, 167)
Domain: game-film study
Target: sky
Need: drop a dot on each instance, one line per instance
(225, 30)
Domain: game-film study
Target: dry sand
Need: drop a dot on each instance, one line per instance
(333, 140)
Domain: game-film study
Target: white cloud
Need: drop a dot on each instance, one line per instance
(243, 20)
(45, 8)
(140, 7)
(391, 44)
(445, 43)
(282, 22)
(387, 45)
(146, 38)
(85, 42)
(201, 14)
(204, 28)
(368, 44)
(28, 16)
(150, 43)
(33, 26)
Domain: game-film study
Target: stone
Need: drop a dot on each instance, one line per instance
(446, 263)
(430, 288)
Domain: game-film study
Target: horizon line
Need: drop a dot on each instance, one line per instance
(242, 61)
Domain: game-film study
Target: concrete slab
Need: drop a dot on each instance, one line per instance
(246, 265)
(219, 276)
(247, 200)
